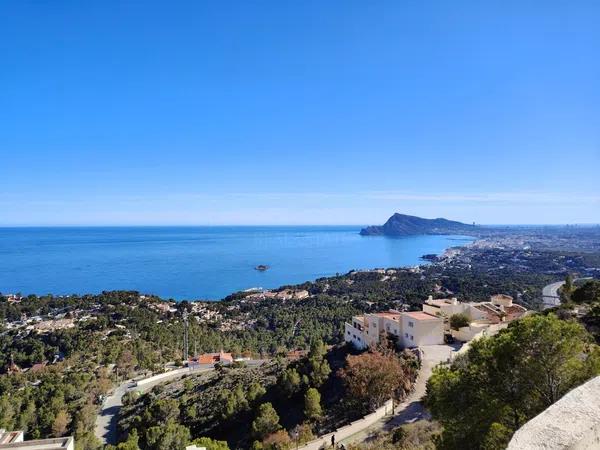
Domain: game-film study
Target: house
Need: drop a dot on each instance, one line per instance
(14, 440)
(420, 328)
(211, 358)
(411, 329)
(428, 327)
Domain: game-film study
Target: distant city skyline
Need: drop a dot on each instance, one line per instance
(283, 113)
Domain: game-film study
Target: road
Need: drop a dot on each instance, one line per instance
(106, 421)
(550, 297)
(411, 409)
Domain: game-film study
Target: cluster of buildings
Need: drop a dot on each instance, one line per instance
(431, 325)
(14, 440)
(285, 294)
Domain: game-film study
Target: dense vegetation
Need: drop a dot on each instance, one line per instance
(269, 406)
(483, 397)
(121, 334)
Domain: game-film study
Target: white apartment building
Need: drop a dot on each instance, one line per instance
(411, 328)
(427, 327)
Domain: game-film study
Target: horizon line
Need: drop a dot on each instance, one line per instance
(176, 225)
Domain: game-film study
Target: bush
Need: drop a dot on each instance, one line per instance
(458, 321)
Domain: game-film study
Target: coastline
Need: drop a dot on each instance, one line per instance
(198, 263)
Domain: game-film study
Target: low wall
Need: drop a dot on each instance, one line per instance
(350, 429)
(163, 375)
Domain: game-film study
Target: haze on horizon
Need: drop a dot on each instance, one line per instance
(342, 112)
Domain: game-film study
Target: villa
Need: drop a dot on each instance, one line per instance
(412, 329)
(210, 358)
(429, 326)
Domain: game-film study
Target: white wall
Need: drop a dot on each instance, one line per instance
(354, 336)
(423, 332)
(350, 429)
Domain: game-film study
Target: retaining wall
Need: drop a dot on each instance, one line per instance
(350, 429)
(161, 376)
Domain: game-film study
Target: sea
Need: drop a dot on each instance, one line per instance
(195, 263)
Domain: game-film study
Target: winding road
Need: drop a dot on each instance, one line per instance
(106, 421)
(550, 297)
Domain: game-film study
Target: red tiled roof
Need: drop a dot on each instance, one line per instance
(211, 358)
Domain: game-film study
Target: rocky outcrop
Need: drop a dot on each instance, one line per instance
(573, 423)
(404, 225)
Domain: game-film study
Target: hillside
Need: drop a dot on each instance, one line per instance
(404, 225)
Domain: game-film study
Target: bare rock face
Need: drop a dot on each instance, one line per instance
(404, 225)
(573, 423)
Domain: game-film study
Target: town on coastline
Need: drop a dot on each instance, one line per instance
(284, 367)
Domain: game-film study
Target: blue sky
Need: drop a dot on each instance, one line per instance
(299, 112)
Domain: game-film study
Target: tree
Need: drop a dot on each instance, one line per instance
(318, 366)
(508, 379)
(312, 404)
(587, 293)
(164, 410)
(210, 444)
(171, 436)
(279, 440)
(126, 363)
(567, 288)
(290, 381)
(61, 423)
(255, 391)
(372, 378)
(130, 397)
(458, 321)
(497, 438)
(132, 442)
(266, 421)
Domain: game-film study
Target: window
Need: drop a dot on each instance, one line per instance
(411, 337)
(406, 335)
(411, 324)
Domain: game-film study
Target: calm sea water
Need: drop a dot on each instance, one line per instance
(194, 262)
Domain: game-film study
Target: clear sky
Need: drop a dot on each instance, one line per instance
(299, 112)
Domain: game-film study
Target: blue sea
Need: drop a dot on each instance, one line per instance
(194, 262)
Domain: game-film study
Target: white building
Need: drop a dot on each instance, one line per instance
(411, 328)
(427, 327)
(14, 440)
(420, 328)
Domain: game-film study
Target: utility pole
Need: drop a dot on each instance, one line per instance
(186, 343)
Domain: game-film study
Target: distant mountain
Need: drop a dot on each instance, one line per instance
(403, 225)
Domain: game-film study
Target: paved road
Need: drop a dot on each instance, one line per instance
(106, 421)
(550, 297)
(411, 409)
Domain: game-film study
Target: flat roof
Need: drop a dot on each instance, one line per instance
(388, 314)
(420, 315)
(41, 444)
